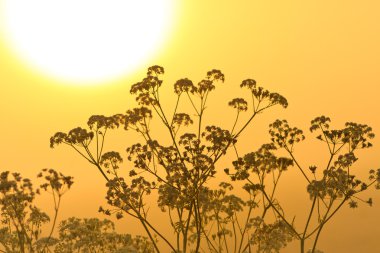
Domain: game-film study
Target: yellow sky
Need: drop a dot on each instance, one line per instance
(323, 56)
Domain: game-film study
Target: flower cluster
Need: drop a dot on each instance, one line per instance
(219, 203)
(262, 94)
(182, 119)
(261, 162)
(336, 183)
(56, 181)
(283, 135)
(358, 135)
(97, 122)
(137, 116)
(155, 71)
(127, 198)
(354, 134)
(320, 122)
(239, 103)
(181, 168)
(270, 238)
(219, 139)
(146, 90)
(204, 86)
(17, 194)
(215, 75)
(184, 85)
(94, 235)
(191, 143)
(111, 160)
(141, 155)
(22, 220)
(375, 175)
(76, 136)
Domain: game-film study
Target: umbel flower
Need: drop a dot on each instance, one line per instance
(178, 167)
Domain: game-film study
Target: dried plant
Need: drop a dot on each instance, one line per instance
(206, 219)
(94, 235)
(21, 220)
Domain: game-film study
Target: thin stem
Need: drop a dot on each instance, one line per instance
(328, 145)
(187, 228)
(245, 228)
(192, 103)
(236, 120)
(309, 218)
(102, 144)
(235, 236)
(198, 222)
(280, 214)
(56, 208)
(208, 240)
(299, 167)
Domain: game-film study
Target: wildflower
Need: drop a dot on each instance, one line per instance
(184, 85)
(313, 169)
(283, 135)
(155, 70)
(239, 103)
(215, 75)
(99, 121)
(249, 83)
(182, 119)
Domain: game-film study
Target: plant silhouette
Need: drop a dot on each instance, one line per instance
(94, 235)
(177, 173)
(22, 221)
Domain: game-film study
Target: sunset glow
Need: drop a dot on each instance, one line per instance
(69, 65)
(86, 41)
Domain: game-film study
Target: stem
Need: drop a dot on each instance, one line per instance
(192, 103)
(280, 214)
(149, 234)
(325, 220)
(218, 227)
(56, 208)
(200, 119)
(309, 218)
(328, 145)
(225, 240)
(299, 167)
(198, 220)
(245, 228)
(102, 144)
(101, 171)
(187, 228)
(307, 224)
(236, 120)
(235, 238)
(21, 234)
(208, 240)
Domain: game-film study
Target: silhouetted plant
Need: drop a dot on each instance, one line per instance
(21, 219)
(329, 189)
(211, 220)
(94, 235)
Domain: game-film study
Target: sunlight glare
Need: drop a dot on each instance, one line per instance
(86, 41)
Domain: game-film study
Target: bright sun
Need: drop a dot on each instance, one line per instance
(86, 41)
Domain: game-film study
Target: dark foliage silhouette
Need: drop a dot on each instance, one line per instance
(177, 174)
(22, 221)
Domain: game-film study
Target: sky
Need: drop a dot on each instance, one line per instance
(323, 56)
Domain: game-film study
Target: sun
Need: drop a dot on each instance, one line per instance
(86, 41)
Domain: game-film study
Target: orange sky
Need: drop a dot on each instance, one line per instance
(323, 56)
